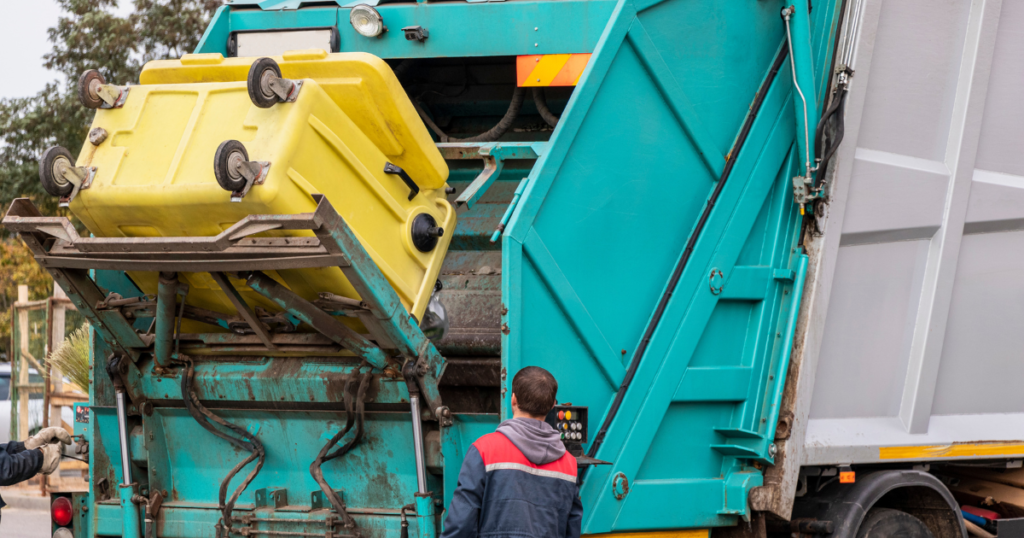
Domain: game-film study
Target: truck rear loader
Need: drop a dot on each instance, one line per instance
(765, 247)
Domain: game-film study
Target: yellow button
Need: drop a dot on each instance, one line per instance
(568, 415)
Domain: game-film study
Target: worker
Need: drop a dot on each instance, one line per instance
(519, 480)
(40, 453)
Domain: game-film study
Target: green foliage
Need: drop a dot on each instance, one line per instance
(168, 28)
(72, 357)
(88, 36)
(18, 268)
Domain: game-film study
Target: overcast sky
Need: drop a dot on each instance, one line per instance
(24, 41)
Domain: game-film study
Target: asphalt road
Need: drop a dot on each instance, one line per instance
(22, 523)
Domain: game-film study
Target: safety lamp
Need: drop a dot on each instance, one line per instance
(60, 510)
(366, 20)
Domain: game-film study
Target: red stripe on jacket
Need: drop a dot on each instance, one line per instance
(496, 448)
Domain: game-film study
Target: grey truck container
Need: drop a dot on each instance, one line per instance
(911, 340)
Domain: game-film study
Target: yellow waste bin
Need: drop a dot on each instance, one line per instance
(155, 169)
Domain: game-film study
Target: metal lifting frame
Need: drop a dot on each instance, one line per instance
(494, 155)
(59, 249)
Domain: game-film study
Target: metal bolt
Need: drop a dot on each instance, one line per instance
(772, 450)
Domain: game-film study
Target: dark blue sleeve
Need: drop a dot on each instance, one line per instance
(463, 519)
(20, 466)
(13, 447)
(572, 529)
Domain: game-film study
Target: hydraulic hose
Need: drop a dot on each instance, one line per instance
(245, 441)
(492, 134)
(542, 107)
(835, 115)
(355, 412)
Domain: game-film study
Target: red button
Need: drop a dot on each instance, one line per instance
(561, 415)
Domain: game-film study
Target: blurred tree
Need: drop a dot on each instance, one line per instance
(88, 35)
(18, 268)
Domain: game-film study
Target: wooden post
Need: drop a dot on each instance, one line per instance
(22, 364)
(56, 376)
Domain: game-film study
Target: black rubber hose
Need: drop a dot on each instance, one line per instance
(402, 68)
(355, 412)
(245, 441)
(840, 129)
(542, 107)
(659, 311)
(838, 100)
(492, 134)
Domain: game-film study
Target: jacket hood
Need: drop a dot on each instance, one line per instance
(536, 439)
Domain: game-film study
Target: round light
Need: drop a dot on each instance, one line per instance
(63, 532)
(366, 20)
(60, 510)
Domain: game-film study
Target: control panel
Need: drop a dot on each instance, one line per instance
(571, 423)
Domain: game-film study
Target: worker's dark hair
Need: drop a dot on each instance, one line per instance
(535, 389)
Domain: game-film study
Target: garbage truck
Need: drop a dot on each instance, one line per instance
(767, 249)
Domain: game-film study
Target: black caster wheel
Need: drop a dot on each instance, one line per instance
(230, 156)
(51, 171)
(262, 72)
(88, 86)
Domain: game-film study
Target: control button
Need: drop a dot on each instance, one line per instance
(561, 415)
(568, 415)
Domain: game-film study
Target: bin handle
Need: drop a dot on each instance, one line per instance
(414, 189)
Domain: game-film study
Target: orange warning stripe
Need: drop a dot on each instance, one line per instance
(964, 450)
(550, 69)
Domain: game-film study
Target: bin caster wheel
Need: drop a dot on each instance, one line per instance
(52, 166)
(227, 165)
(88, 88)
(425, 232)
(261, 75)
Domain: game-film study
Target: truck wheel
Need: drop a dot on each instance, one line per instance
(51, 167)
(229, 155)
(88, 83)
(885, 522)
(260, 74)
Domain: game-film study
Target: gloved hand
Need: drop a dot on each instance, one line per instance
(47, 436)
(51, 457)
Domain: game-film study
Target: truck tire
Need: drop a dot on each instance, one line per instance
(885, 522)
